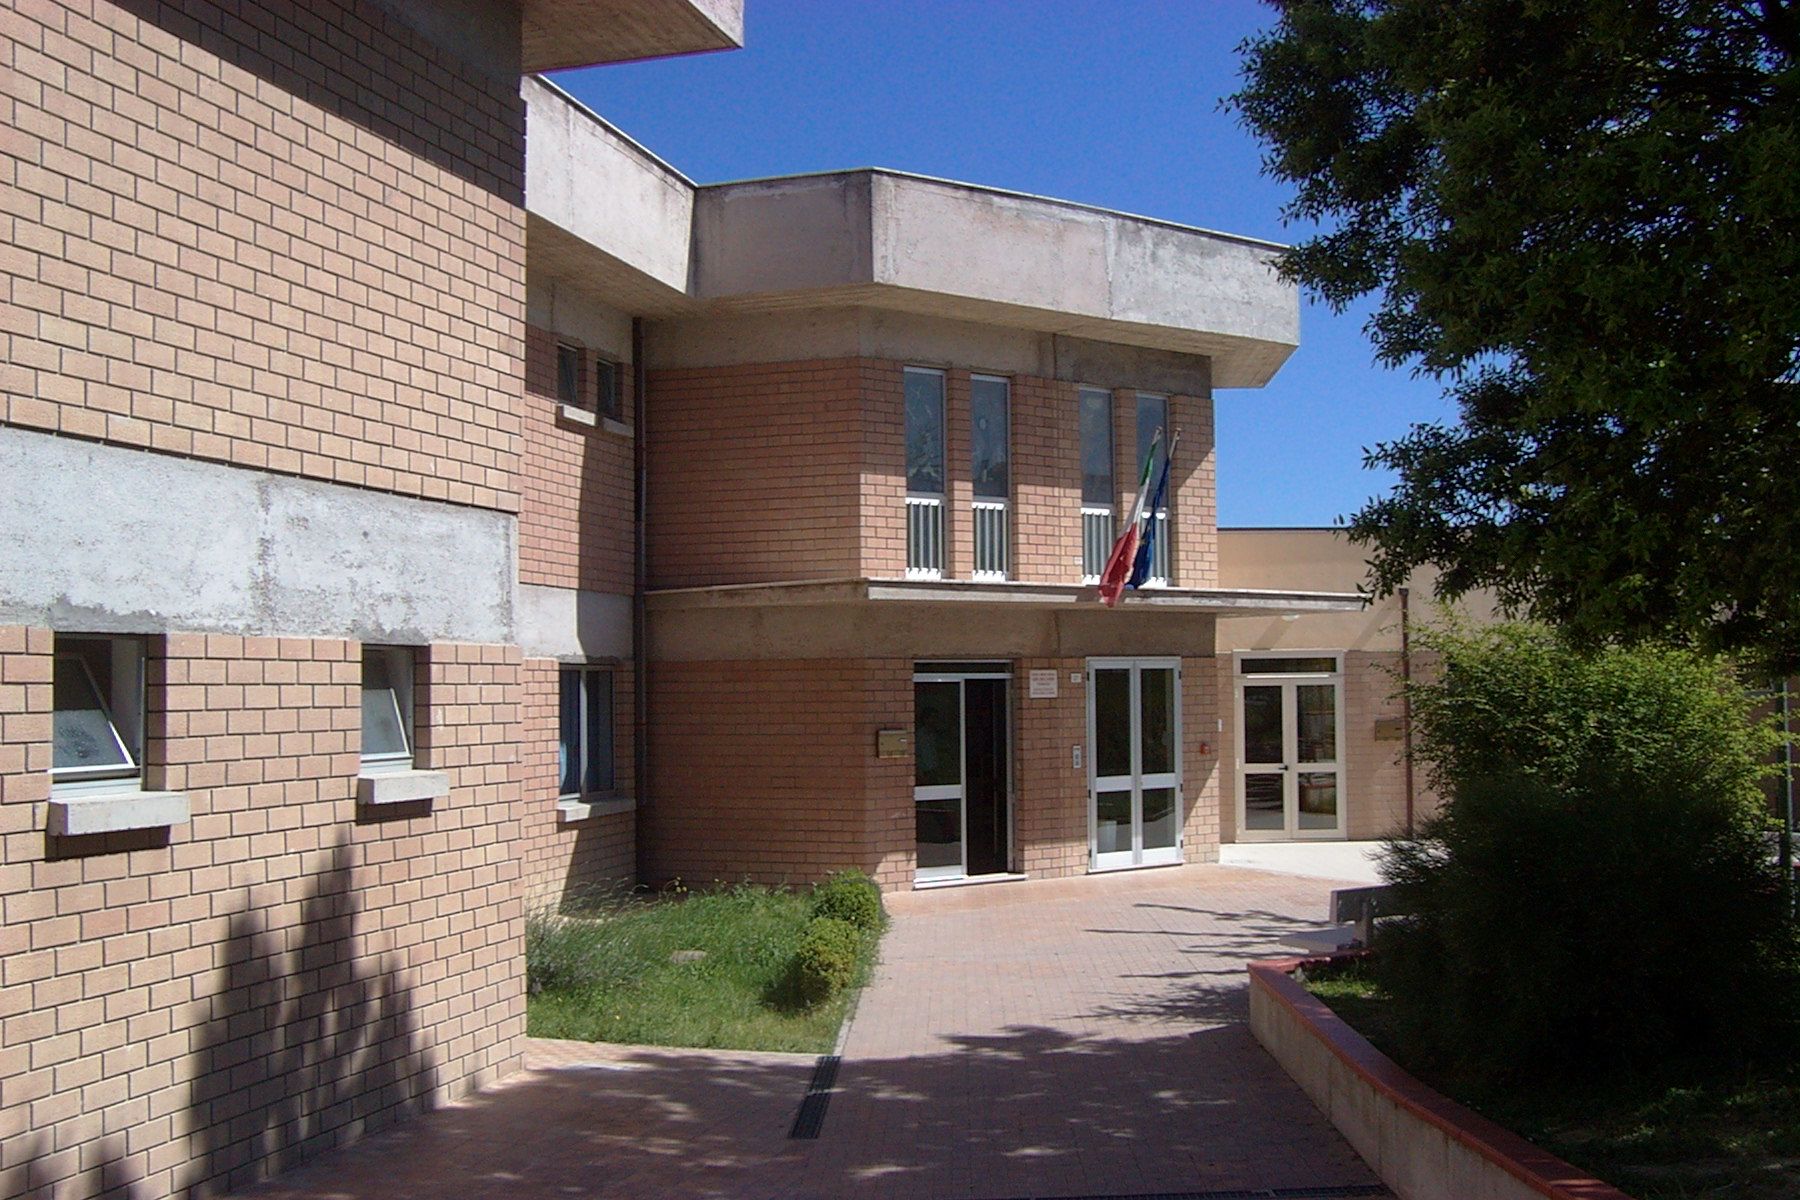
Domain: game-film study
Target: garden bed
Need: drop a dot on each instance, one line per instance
(707, 969)
(1675, 1135)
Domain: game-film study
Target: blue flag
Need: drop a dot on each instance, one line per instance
(1140, 566)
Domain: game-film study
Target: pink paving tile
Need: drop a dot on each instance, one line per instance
(1071, 1038)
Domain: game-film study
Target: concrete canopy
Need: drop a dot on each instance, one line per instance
(876, 239)
(1213, 601)
(579, 33)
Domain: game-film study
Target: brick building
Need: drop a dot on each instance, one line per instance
(420, 501)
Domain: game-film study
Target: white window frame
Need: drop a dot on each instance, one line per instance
(1162, 555)
(1090, 510)
(401, 662)
(1138, 781)
(1291, 772)
(931, 504)
(992, 512)
(123, 705)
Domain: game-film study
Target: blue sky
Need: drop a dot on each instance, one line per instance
(1108, 102)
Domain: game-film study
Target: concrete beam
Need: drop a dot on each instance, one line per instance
(113, 540)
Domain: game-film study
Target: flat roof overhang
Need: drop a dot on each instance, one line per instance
(1222, 602)
(581, 33)
(604, 208)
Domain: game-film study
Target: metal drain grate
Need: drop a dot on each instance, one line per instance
(811, 1116)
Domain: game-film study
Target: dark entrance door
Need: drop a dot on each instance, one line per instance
(985, 740)
(961, 793)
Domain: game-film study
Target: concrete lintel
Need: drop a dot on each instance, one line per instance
(110, 539)
(566, 623)
(116, 812)
(402, 787)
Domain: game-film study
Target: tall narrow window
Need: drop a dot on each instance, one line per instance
(585, 749)
(387, 707)
(924, 473)
(1097, 488)
(1152, 415)
(990, 470)
(568, 375)
(97, 722)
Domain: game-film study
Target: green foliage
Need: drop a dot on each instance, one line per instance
(564, 953)
(850, 896)
(638, 986)
(1514, 698)
(1597, 890)
(1581, 216)
(826, 960)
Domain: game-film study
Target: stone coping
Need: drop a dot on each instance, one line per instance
(1493, 1161)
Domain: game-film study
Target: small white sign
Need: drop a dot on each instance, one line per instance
(1043, 685)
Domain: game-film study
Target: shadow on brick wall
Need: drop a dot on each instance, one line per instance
(360, 63)
(307, 1045)
(39, 1172)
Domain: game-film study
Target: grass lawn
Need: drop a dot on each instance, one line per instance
(610, 975)
(1725, 1133)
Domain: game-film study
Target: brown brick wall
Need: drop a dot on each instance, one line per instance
(188, 1012)
(575, 510)
(804, 470)
(755, 474)
(767, 771)
(569, 862)
(281, 236)
(1046, 444)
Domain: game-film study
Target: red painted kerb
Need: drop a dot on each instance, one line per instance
(1544, 1173)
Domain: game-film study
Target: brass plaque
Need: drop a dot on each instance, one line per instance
(1389, 729)
(893, 743)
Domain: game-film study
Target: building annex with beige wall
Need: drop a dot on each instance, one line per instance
(1316, 740)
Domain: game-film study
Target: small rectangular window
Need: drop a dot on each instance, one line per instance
(568, 375)
(1152, 415)
(387, 706)
(97, 724)
(606, 377)
(585, 749)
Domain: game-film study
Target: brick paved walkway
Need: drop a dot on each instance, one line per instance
(1079, 1037)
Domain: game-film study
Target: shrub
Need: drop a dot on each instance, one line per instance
(1597, 889)
(850, 896)
(825, 961)
(571, 953)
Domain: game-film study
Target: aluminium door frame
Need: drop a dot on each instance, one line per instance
(1290, 721)
(922, 673)
(1135, 666)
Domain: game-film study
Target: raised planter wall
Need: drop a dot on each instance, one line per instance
(1423, 1145)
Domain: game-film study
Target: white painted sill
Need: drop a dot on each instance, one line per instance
(116, 812)
(571, 809)
(581, 416)
(376, 788)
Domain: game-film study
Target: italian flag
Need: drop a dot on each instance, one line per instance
(1124, 552)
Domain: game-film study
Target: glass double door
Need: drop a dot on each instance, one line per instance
(961, 812)
(1134, 756)
(1289, 772)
